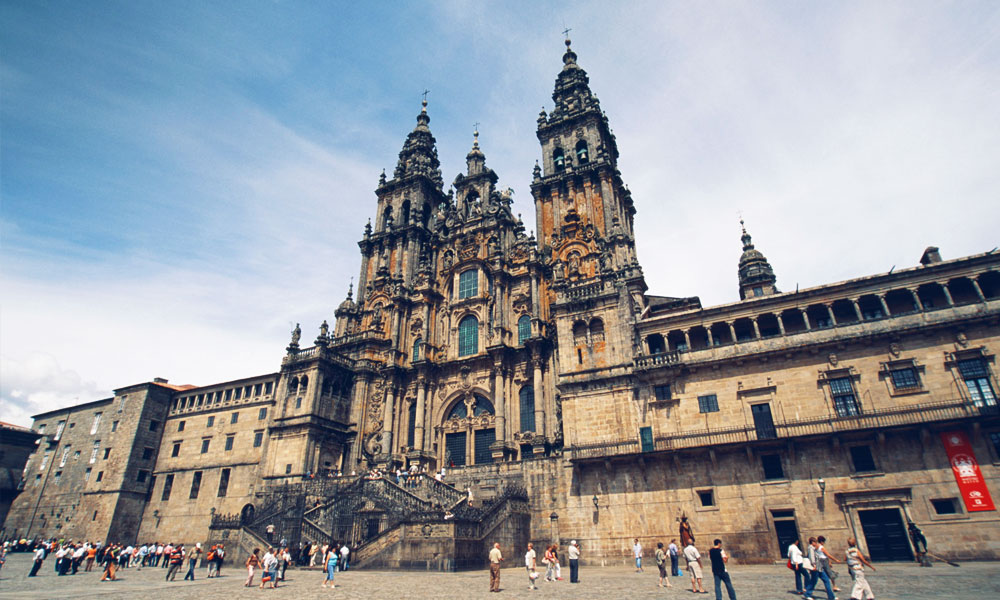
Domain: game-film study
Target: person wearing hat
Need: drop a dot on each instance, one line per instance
(574, 562)
(193, 557)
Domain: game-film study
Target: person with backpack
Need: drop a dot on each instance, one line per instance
(176, 562)
(210, 558)
(661, 564)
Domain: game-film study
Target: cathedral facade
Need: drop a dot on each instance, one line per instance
(543, 365)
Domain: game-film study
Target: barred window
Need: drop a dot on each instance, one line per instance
(416, 349)
(468, 284)
(845, 402)
(977, 380)
(708, 403)
(527, 401)
(905, 378)
(468, 336)
(523, 329)
(662, 392)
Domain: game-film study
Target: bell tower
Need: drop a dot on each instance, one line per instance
(584, 217)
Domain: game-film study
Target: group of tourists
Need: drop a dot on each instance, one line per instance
(814, 564)
(70, 556)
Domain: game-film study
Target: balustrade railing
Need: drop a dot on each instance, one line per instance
(788, 428)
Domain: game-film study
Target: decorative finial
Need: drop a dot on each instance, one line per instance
(350, 289)
(475, 135)
(742, 226)
(424, 102)
(566, 35)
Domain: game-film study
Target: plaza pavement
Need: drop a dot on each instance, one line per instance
(893, 581)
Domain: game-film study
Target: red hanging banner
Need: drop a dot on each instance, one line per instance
(966, 469)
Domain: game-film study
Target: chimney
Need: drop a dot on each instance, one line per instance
(162, 380)
(930, 256)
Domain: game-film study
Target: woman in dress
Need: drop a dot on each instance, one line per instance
(331, 566)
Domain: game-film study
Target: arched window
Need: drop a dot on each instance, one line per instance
(579, 333)
(411, 424)
(425, 214)
(458, 411)
(386, 216)
(304, 384)
(527, 397)
(405, 216)
(582, 155)
(416, 350)
(558, 159)
(293, 385)
(468, 336)
(468, 284)
(483, 406)
(523, 329)
(596, 331)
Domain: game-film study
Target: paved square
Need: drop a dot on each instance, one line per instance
(890, 582)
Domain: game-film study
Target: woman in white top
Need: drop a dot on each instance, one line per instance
(795, 557)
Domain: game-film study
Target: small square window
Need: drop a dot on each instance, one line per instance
(662, 392)
(204, 445)
(905, 379)
(86, 474)
(210, 422)
(176, 450)
(234, 418)
(288, 469)
(180, 426)
(154, 425)
(229, 442)
(707, 497)
(141, 476)
(772, 466)
(268, 387)
(945, 506)
(262, 414)
(58, 476)
(147, 453)
(708, 403)
(861, 457)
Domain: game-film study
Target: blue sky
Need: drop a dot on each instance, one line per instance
(181, 182)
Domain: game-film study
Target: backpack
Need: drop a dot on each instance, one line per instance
(660, 557)
(210, 555)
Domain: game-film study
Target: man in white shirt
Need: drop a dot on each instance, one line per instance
(574, 562)
(529, 566)
(693, 558)
(345, 552)
(637, 552)
(38, 558)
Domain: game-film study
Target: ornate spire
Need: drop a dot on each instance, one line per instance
(755, 273)
(572, 95)
(419, 153)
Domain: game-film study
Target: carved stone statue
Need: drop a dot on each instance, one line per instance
(296, 334)
(324, 329)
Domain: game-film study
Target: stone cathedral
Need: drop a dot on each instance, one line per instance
(531, 389)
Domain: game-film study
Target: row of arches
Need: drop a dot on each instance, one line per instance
(845, 311)
(404, 215)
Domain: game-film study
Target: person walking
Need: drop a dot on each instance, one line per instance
(220, 555)
(38, 559)
(210, 559)
(825, 558)
(253, 562)
(855, 562)
(817, 571)
(795, 561)
(269, 569)
(637, 553)
(574, 562)
(661, 564)
(529, 566)
(549, 560)
(193, 557)
(110, 562)
(331, 567)
(496, 557)
(674, 553)
(313, 551)
(176, 562)
(719, 559)
(286, 558)
(91, 556)
(345, 552)
(693, 558)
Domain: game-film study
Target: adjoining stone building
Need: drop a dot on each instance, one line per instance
(568, 401)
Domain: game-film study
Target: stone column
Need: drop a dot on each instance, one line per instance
(979, 290)
(947, 295)
(687, 338)
(387, 414)
(805, 319)
(756, 329)
(536, 368)
(732, 331)
(709, 336)
(885, 307)
(499, 404)
(916, 299)
(857, 309)
(418, 429)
